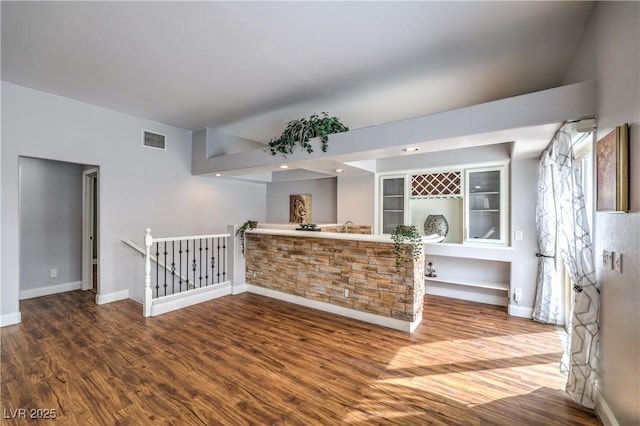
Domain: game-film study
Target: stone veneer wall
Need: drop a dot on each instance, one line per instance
(321, 268)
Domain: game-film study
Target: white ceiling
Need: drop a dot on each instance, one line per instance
(247, 68)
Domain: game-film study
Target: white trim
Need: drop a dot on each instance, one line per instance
(603, 411)
(521, 311)
(415, 324)
(10, 319)
(192, 297)
(103, 299)
(238, 289)
(396, 324)
(88, 196)
(190, 238)
(48, 290)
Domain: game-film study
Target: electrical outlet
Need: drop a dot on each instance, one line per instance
(255, 274)
(517, 294)
(606, 259)
(617, 262)
(53, 273)
(346, 293)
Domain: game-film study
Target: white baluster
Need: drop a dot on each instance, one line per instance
(148, 241)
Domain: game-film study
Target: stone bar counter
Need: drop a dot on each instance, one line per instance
(344, 273)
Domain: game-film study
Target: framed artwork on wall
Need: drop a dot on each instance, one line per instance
(612, 171)
(300, 208)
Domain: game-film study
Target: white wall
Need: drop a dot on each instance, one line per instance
(610, 51)
(441, 159)
(356, 199)
(50, 223)
(139, 187)
(323, 199)
(524, 267)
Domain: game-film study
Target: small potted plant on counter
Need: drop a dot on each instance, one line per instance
(308, 227)
(406, 234)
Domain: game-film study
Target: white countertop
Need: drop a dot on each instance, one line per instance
(336, 235)
(292, 226)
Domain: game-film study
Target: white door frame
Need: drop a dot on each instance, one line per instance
(88, 195)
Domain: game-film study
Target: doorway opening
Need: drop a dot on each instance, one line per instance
(583, 153)
(53, 197)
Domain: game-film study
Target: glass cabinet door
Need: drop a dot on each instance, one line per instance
(485, 205)
(393, 203)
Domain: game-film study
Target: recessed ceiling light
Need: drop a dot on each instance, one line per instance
(284, 166)
(339, 170)
(218, 174)
(411, 149)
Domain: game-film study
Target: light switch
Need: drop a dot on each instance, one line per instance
(518, 235)
(606, 259)
(617, 262)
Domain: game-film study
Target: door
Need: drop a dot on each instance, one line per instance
(90, 234)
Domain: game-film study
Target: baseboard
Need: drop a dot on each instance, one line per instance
(10, 319)
(413, 325)
(603, 411)
(48, 290)
(338, 310)
(237, 289)
(192, 297)
(103, 299)
(520, 311)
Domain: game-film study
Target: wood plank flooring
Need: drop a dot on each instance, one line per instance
(250, 360)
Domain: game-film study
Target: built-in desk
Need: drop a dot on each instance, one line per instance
(347, 274)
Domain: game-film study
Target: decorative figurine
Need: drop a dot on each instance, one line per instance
(431, 270)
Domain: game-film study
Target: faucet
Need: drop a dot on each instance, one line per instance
(345, 228)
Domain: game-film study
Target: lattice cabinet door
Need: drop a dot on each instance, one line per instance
(437, 185)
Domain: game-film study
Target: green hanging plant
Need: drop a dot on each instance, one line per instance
(250, 224)
(402, 234)
(302, 130)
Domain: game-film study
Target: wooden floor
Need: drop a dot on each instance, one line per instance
(248, 359)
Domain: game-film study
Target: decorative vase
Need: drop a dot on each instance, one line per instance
(436, 224)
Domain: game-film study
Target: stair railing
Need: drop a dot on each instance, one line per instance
(188, 264)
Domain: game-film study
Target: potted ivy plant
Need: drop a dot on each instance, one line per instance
(249, 224)
(406, 234)
(302, 130)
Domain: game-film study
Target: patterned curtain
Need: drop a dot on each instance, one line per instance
(580, 359)
(546, 308)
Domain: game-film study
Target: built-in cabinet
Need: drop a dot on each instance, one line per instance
(483, 191)
(474, 263)
(394, 203)
(486, 205)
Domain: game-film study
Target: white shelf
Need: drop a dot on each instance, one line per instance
(470, 283)
(394, 196)
(484, 210)
(471, 251)
(393, 211)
